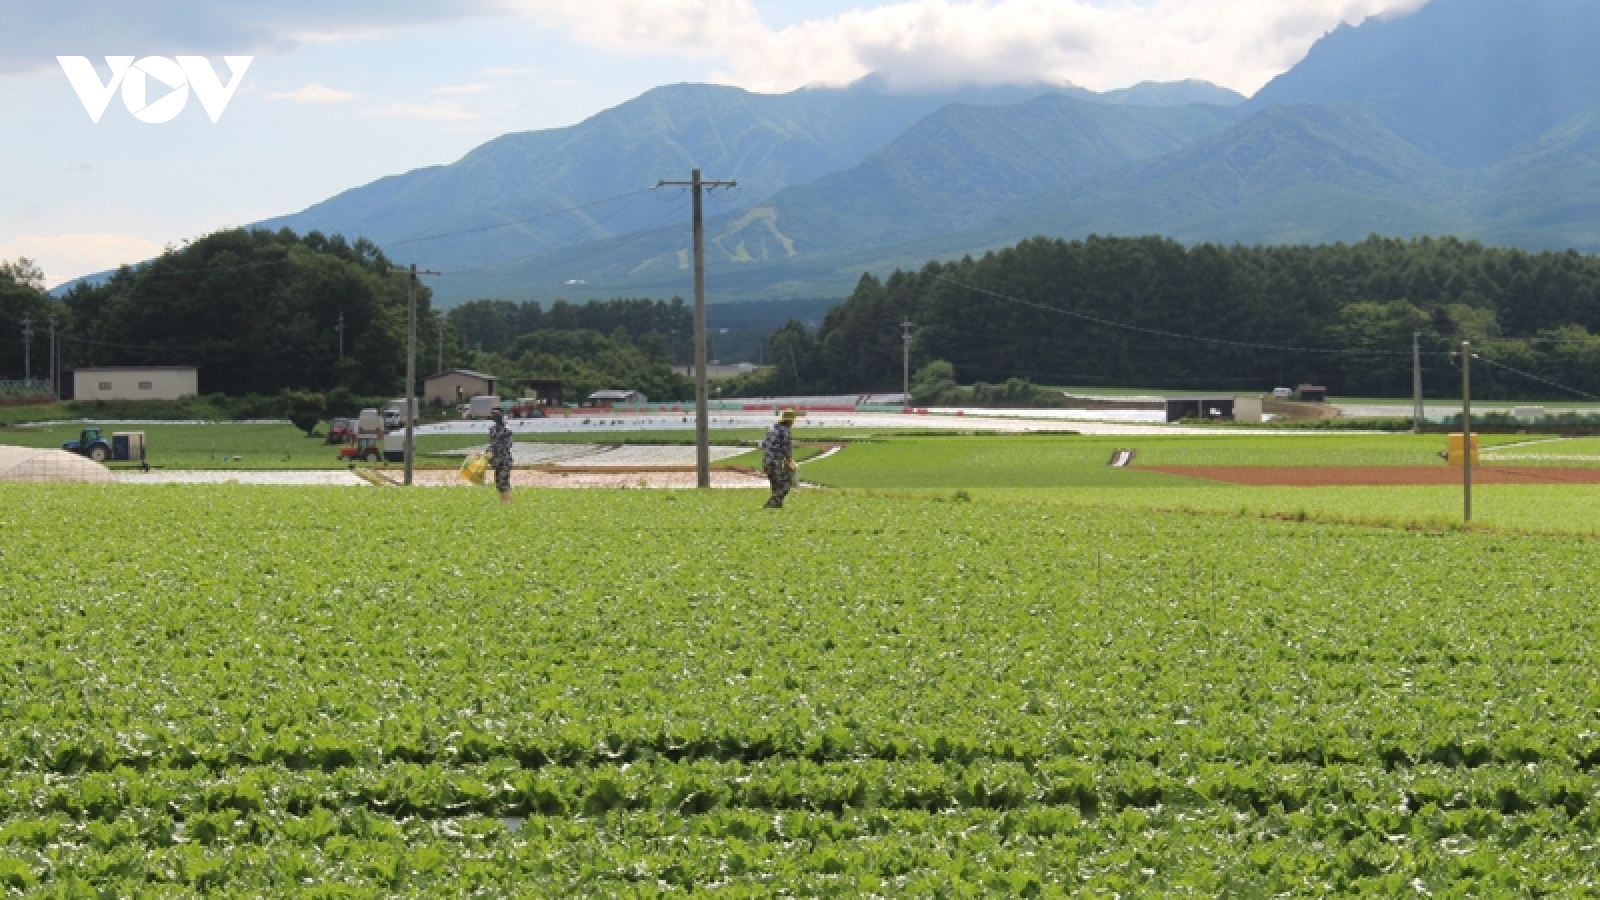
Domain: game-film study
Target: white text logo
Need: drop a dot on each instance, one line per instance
(134, 78)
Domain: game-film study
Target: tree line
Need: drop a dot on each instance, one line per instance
(23, 299)
(257, 311)
(263, 312)
(623, 343)
(1154, 313)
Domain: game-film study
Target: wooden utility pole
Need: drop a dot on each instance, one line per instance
(55, 362)
(905, 359)
(1417, 412)
(340, 328)
(1466, 431)
(702, 396)
(27, 348)
(411, 361)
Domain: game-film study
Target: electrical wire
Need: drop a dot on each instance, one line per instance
(1530, 375)
(675, 208)
(560, 212)
(1177, 335)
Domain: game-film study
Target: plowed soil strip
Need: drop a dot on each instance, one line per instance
(1378, 476)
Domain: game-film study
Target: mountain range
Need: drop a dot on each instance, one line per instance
(1479, 118)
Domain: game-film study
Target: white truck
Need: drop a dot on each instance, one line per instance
(478, 407)
(393, 413)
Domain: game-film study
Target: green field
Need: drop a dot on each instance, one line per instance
(350, 692)
(977, 666)
(1081, 461)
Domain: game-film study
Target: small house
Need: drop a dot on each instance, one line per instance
(1312, 393)
(457, 386)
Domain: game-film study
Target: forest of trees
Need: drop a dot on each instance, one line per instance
(23, 298)
(260, 311)
(1151, 312)
(257, 311)
(624, 343)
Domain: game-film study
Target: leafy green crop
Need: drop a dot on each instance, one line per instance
(270, 692)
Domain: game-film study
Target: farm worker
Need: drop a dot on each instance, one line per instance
(777, 459)
(500, 453)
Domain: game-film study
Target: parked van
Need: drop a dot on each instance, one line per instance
(478, 407)
(393, 413)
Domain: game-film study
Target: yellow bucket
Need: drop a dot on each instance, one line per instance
(1454, 454)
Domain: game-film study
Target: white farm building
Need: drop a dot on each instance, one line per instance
(135, 382)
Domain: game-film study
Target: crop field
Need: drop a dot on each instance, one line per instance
(252, 447)
(1022, 461)
(231, 691)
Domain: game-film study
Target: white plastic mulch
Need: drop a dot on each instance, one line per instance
(538, 454)
(531, 478)
(309, 477)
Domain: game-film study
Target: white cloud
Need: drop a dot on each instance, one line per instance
(506, 72)
(914, 43)
(928, 43)
(314, 93)
(427, 112)
(475, 88)
(67, 256)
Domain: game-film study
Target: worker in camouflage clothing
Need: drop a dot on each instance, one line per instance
(500, 453)
(777, 459)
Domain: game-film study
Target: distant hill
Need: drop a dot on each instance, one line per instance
(524, 181)
(513, 197)
(950, 170)
(1469, 81)
(1173, 93)
(1479, 118)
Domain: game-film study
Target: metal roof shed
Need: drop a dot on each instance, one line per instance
(1199, 408)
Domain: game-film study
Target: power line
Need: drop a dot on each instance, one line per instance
(507, 224)
(1484, 359)
(1161, 332)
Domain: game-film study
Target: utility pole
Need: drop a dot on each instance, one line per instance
(340, 328)
(27, 348)
(55, 383)
(702, 421)
(905, 359)
(439, 364)
(1466, 432)
(411, 360)
(1417, 412)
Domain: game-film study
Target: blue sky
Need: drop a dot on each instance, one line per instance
(342, 92)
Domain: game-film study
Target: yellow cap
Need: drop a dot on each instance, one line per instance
(788, 416)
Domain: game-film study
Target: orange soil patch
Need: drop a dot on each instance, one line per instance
(1378, 476)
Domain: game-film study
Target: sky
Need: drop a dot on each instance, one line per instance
(340, 93)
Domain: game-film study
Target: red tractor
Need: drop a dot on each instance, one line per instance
(367, 447)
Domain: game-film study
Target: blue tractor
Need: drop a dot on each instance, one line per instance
(90, 444)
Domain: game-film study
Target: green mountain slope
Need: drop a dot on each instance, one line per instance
(511, 196)
(1292, 174)
(1469, 81)
(963, 163)
(950, 170)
